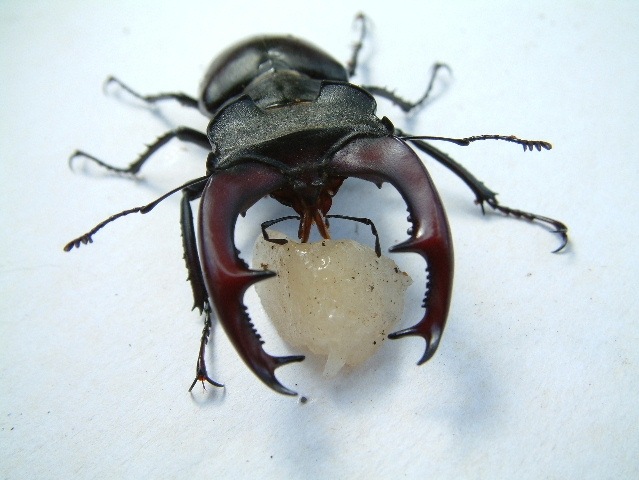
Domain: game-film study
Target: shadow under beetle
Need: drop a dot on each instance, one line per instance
(286, 122)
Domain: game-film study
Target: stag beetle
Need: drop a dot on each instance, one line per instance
(285, 121)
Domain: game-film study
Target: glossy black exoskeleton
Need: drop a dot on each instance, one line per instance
(286, 122)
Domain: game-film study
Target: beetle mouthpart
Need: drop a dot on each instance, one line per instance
(274, 383)
(225, 274)
(405, 247)
(396, 163)
(309, 216)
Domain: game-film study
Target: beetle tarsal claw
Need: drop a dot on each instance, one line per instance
(201, 374)
(205, 378)
(564, 240)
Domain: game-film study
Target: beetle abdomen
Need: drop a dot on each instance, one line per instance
(233, 70)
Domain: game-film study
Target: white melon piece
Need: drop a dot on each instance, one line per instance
(335, 298)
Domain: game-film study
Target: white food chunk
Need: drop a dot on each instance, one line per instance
(333, 298)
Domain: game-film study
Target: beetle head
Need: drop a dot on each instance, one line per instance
(310, 194)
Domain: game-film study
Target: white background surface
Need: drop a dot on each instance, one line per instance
(537, 373)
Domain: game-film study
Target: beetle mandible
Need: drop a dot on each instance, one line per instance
(285, 121)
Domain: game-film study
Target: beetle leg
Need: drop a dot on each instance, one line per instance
(201, 375)
(182, 98)
(484, 195)
(390, 159)
(88, 236)
(200, 297)
(226, 275)
(191, 257)
(406, 105)
(184, 134)
(351, 65)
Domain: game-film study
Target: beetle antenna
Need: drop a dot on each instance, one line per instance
(351, 65)
(87, 237)
(527, 144)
